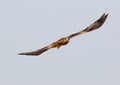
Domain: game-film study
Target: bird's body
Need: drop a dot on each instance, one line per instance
(65, 40)
(61, 42)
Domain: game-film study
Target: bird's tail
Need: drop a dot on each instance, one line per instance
(35, 53)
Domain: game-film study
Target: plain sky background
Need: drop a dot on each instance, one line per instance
(89, 59)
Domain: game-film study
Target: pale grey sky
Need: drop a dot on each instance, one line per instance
(89, 59)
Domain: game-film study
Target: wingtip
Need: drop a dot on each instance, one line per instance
(103, 18)
(104, 14)
(28, 54)
(21, 54)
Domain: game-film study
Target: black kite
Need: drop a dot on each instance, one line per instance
(63, 41)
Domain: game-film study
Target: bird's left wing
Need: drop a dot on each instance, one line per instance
(39, 51)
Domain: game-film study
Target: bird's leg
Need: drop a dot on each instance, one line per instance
(58, 47)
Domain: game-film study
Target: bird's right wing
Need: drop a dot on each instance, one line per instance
(98, 23)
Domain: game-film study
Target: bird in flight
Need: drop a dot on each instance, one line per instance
(65, 40)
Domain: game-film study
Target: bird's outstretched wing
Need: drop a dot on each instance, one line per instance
(98, 23)
(57, 44)
(63, 41)
(35, 53)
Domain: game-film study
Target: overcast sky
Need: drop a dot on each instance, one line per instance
(89, 59)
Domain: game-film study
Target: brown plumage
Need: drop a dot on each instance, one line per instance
(65, 40)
